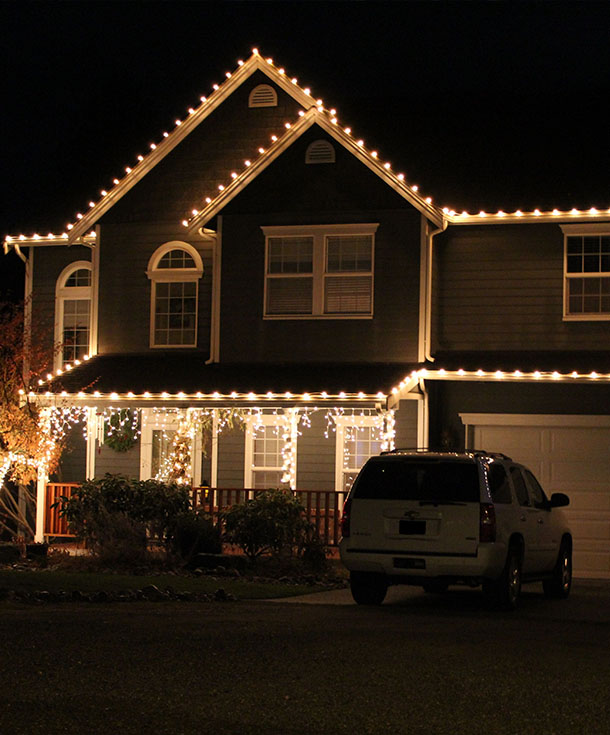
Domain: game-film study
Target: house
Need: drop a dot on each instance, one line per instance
(261, 267)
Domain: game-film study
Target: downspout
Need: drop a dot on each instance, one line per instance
(215, 315)
(427, 357)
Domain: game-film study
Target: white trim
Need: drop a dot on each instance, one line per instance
(214, 451)
(531, 419)
(92, 431)
(95, 292)
(215, 301)
(41, 491)
(576, 231)
(584, 228)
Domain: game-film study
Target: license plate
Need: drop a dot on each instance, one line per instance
(409, 563)
(412, 527)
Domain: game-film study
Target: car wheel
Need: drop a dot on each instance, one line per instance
(368, 588)
(435, 586)
(506, 590)
(560, 583)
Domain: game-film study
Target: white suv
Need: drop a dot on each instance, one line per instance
(439, 518)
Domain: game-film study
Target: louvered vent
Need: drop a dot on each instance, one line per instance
(263, 96)
(320, 151)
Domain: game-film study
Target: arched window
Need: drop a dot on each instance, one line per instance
(320, 151)
(174, 270)
(73, 312)
(262, 96)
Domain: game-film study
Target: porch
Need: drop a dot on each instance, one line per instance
(322, 507)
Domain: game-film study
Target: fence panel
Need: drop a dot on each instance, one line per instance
(54, 524)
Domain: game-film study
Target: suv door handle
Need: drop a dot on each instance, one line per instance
(541, 520)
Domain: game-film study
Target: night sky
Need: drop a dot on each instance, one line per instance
(484, 105)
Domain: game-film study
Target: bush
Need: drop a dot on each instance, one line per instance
(118, 513)
(273, 522)
(194, 533)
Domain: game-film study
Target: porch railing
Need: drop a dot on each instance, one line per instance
(322, 507)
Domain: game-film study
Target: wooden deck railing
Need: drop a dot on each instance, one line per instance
(322, 507)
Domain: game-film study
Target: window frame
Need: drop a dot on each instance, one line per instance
(343, 423)
(279, 421)
(65, 293)
(598, 229)
(319, 235)
(158, 275)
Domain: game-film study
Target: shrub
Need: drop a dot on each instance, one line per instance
(274, 521)
(194, 533)
(117, 511)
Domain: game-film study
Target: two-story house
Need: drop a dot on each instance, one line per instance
(265, 290)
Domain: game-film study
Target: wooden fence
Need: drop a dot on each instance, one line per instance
(322, 507)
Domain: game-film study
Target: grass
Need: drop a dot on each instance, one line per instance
(57, 580)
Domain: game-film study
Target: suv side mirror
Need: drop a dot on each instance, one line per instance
(558, 500)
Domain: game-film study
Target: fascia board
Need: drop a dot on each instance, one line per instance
(528, 218)
(313, 115)
(254, 63)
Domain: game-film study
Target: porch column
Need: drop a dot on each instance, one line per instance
(214, 452)
(92, 428)
(41, 486)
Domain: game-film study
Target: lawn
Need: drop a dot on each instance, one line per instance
(88, 582)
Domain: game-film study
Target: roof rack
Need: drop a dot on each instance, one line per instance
(475, 452)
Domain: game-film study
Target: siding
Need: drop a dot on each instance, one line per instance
(73, 459)
(501, 288)
(231, 448)
(290, 192)
(406, 425)
(316, 456)
(125, 289)
(118, 463)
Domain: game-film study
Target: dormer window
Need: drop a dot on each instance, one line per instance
(174, 270)
(73, 312)
(263, 96)
(320, 151)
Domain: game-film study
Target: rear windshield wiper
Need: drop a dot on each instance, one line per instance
(441, 502)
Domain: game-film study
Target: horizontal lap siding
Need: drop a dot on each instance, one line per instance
(406, 424)
(118, 463)
(231, 448)
(501, 288)
(316, 455)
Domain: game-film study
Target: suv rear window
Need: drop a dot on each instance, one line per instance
(402, 478)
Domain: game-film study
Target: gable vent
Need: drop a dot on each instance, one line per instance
(320, 151)
(263, 96)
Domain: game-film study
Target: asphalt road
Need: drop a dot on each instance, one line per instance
(420, 664)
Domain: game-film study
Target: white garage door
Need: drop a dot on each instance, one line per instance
(569, 454)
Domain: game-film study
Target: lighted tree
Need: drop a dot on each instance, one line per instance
(26, 438)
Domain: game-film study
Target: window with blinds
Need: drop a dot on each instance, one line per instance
(319, 271)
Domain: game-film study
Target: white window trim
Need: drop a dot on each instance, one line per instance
(319, 234)
(151, 421)
(342, 423)
(287, 420)
(596, 228)
(173, 275)
(75, 293)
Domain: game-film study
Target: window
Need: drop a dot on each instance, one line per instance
(320, 151)
(174, 270)
(520, 486)
(262, 96)
(587, 272)
(498, 484)
(537, 495)
(73, 312)
(358, 438)
(270, 458)
(319, 271)
(158, 431)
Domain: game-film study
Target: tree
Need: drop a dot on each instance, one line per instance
(27, 439)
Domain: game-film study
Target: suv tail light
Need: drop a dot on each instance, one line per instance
(345, 519)
(487, 523)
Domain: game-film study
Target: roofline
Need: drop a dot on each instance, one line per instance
(325, 119)
(511, 218)
(184, 128)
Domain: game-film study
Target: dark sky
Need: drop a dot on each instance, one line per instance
(484, 105)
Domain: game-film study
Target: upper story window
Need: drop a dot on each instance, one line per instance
(263, 95)
(73, 312)
(320, 151)
(174, 270)
(587, 272)
(319, 271)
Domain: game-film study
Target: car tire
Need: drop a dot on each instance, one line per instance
(435, 586)
(506, 590)
(368, 588)
(560, 583)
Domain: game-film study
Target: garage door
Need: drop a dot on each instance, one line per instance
(569, 454)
